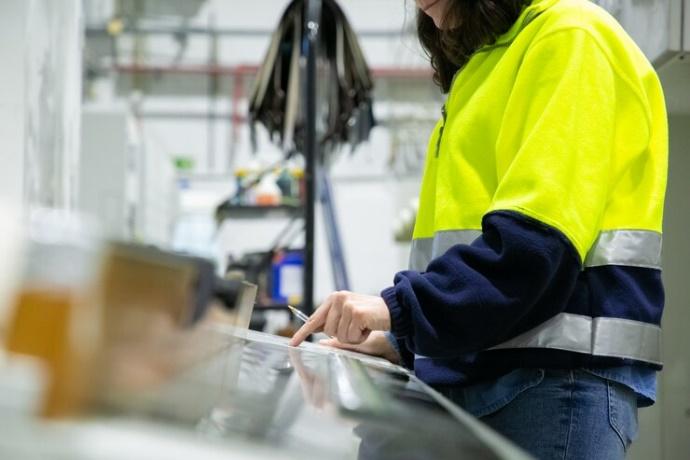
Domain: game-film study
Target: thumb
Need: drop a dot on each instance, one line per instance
(337, 344)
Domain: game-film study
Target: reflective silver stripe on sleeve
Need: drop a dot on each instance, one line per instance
(424, 250)
(613, 337)
(445, 240)
(635, 248)
(420, 253)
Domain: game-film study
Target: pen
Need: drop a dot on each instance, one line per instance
(298, 314)
(304, 318)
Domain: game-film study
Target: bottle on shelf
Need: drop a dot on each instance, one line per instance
(267, 192)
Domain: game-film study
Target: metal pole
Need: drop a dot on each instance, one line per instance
(101, 30)
(335, 245)
(313, 22)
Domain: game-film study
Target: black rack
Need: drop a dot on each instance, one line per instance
(311, 151)
(317, 185)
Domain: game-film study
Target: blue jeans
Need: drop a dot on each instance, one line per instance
(556, 414)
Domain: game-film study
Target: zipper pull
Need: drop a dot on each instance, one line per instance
(440, 131)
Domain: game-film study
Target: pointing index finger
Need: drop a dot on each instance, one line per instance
(316, 321)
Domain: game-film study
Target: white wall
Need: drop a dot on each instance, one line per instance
(675, 379)
(13, 19)
(40, 94)
(665, 427)
(53, 102)
(12, 55)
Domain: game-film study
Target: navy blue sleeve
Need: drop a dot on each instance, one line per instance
(518, 273)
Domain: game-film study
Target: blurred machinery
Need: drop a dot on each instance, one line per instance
(313, 94)
(130, 190)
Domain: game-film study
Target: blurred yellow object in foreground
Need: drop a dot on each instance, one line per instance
(45, 325)
(56, 316)
(112, 323)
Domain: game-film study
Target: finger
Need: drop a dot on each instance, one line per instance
(365, 335)
(336, 300)
(359, 336)
(354, 333)
(303, 332)
(331, 326)
(335, 343)
(344, 324)
(314, 324)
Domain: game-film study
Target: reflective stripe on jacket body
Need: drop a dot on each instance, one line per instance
(563, 121)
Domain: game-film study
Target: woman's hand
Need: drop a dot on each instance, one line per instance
(376, 344)
(347, 316)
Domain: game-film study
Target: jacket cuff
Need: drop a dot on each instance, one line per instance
(405, 358)
(400, 321)
(394, 343)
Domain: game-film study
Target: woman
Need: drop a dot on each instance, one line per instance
(534, 294)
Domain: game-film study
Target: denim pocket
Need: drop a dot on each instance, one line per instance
(486, 398)
(622, 412)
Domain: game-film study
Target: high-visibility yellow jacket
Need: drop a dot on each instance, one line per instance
(538, 236)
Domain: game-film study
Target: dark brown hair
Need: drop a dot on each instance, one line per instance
(467, 26)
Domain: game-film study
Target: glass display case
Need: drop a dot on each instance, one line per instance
(256, 397)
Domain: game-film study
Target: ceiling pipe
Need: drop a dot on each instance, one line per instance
(251, 70)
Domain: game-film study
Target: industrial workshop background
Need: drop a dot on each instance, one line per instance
(143, 121)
